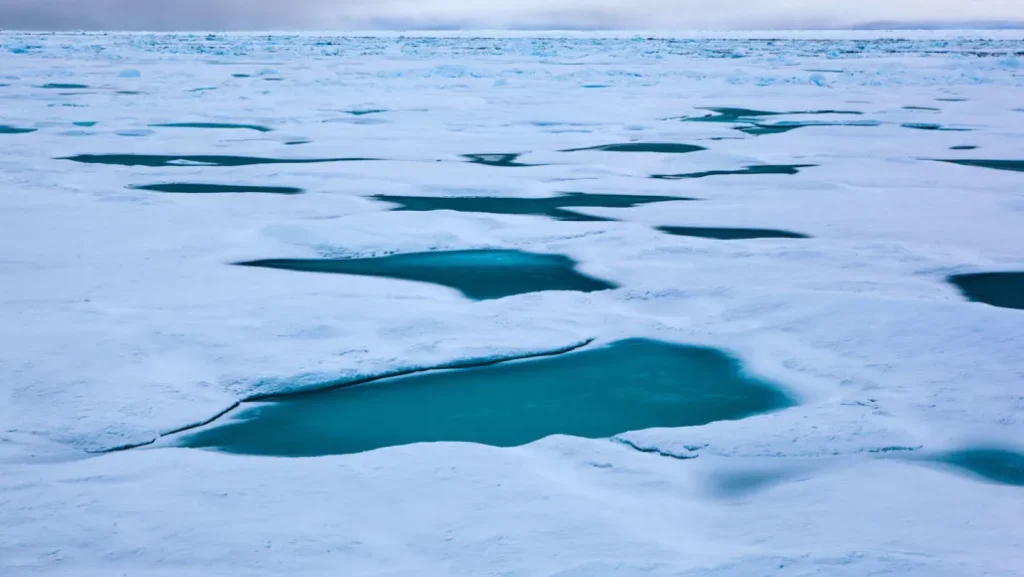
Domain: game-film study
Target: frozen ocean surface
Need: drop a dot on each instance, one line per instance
(826, 208)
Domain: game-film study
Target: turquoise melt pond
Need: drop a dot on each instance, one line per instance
(593, 393)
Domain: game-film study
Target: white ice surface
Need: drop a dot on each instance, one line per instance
(121, 319)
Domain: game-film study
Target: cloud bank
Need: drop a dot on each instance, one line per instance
(499, 14)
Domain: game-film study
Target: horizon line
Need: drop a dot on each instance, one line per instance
(1017, 26)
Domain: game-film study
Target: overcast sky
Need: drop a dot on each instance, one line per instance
(494, 14)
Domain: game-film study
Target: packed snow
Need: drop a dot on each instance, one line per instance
(123, 319)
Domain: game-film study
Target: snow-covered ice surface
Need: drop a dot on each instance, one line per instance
(122, 318)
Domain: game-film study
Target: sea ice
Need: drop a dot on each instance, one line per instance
(124, 320)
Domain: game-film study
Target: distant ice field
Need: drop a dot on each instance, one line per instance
(838, 214)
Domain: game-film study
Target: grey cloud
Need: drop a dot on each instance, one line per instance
(492, 14)
(156, 14)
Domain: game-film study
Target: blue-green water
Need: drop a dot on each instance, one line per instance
(752, 122)
(760, 129)
(746, 115)
(553, 207)
(477, 274)
(625, 386)
(160, 160)
(748, 170)
(1001, 289)
(730, 114)
(199, 188)
(656, 147)
(996, 465)
(932, 126)
(213, 126)
(63, 86)
(1013, 165)
(502, 159)
(5, 129)
(729, 233)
